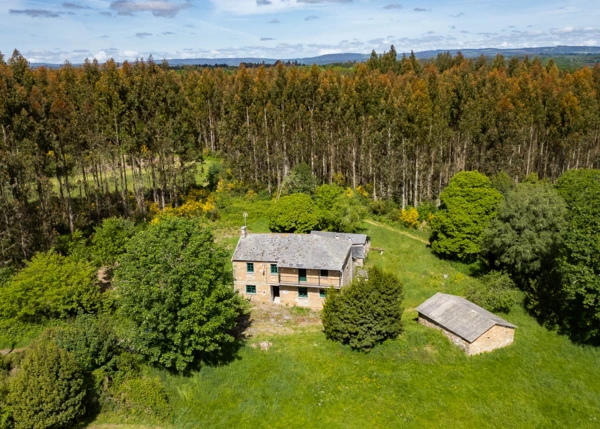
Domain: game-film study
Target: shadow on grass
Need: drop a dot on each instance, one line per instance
(228, 352)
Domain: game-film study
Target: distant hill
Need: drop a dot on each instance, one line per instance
(518, 52)
(555, 51)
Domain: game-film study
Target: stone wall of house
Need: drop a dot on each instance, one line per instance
(348, 270)
(496, 337)
(289, 296)
(262, 273)
(332, 279)
(261, 278)
(456, 340)
(262, 295)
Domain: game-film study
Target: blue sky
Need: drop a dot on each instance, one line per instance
(56, 30)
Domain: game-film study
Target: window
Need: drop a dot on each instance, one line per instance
(302, 292)
(273, 268)
(250, 267)
(251, 289)
(301, 275)
(324, 273)
(322, 293)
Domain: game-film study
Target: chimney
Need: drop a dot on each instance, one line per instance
(337, 237)
(244, 232)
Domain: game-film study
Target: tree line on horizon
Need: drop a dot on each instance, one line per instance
(81, 144)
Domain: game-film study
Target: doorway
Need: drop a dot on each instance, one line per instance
(275, 294)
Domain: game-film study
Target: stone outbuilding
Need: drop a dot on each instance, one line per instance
(470, 327)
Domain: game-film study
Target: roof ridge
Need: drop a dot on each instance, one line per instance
(460, 316)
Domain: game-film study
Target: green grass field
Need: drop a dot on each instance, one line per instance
(418, 380)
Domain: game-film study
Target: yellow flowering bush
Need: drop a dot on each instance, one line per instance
(362, 191)
(410, 217)
(197, 203)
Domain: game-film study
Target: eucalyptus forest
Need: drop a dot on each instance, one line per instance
(81, 144)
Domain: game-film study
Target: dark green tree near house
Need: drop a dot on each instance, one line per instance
(174, 284)
(468, 204)
(578, 295)
(365, 313)
(525, 237)
(294, 213)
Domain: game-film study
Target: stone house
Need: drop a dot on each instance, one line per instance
(467, 325)
(361, 244)
(292, 269)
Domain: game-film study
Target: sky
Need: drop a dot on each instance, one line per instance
(55, 31)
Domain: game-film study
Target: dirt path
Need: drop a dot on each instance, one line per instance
(4, 352)
(281, 320)
(381, 225)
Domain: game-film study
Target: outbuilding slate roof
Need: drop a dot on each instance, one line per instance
(459, 316)
(358, 241)
(294, 250)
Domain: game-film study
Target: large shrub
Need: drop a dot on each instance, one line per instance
(524, 238)
(135, 396)
(366, 312)
(578, 294)
(50, 286)
(294, 213)
(494, 292)
(469, 203)
(175, 286)
(110, 239)
(327, 195)
(48, 390)
(92, 341)
(340, 211)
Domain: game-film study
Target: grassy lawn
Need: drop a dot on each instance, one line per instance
(419, 380)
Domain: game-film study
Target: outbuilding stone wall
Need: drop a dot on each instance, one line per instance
(496, 337)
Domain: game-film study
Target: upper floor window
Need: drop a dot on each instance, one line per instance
(249, 267)
(273, 268)
(301, 275)
(324, 273)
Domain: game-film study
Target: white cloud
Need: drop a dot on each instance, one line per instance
(565, 30)
(161, 8)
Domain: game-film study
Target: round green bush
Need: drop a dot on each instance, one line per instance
(295, 213)
(48, 390)
(365, 313)
(469, 203)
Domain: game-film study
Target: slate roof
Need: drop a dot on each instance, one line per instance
(356, 238)
(358, 241)
(459, 316)
(294, 250)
